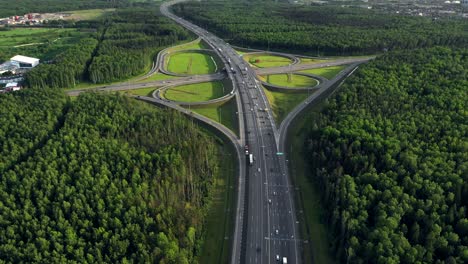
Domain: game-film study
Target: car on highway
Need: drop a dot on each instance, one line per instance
(277, 231)
(277, 257)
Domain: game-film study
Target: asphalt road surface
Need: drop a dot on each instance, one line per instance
(268, 219)
(132, 85)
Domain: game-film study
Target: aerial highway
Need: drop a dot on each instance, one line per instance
(266, 227)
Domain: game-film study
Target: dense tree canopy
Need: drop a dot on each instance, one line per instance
(124, 46)
(321, 30)
(27, 117)
(390, 154)
(68, 67)
(129, 43)
(118, 182)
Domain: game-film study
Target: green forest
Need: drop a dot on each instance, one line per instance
(390, 154)
(124, 46)
(321, 30)
(21, 7)
(102, 178)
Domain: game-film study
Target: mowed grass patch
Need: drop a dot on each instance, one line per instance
(88, 14)
(265, 61)
(191, 63)
(283, 103)
(224, 114)
(158, 77)
(198, 92)
(291, 80)
(221, 214)
(312, 226)
(42, 43)
(327, 72)
(24, 36)
(195, 44)
(142, 91)
(311, 60)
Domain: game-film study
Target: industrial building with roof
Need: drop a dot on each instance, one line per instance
(24, 62)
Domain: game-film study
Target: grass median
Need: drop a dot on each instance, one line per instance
(266, 61)
(219, 223)
(198, 92)
(312, 226)
(143, 91)
(311, 60)
(191, 63)
(290, 80)
(282, 103)
(224, 114)
(327, 72)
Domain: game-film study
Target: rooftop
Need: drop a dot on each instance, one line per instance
(24, 59)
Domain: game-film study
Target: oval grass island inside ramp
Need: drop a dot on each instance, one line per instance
(198, 92)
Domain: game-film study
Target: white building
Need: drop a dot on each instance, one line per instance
(13, 86)
(24, 62)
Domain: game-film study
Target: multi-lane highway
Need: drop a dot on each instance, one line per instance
(266, 227)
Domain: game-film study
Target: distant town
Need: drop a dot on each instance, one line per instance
(427, 8)
(31, 19)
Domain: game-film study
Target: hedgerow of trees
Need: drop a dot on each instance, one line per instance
(390, 154)
(119, 182)
(320, 29)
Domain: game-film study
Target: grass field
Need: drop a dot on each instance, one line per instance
(220, 217)
(283, 103)
(159, 77)
(88, 85)
(89, 14)
(191, 63)
(224, 114)
(265, 61)
(295, 81)
(198, 92)
(142, 91)
(311, 61)
(327, 72)
(42, 43)
(196, 44)
(312, 227)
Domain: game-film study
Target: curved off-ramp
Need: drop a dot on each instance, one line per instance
(157, 94)
(294, 60)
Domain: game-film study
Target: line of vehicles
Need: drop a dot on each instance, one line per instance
(250, 156)
(251, 161)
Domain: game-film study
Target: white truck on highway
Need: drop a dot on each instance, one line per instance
(251, 159)
(285, 260)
